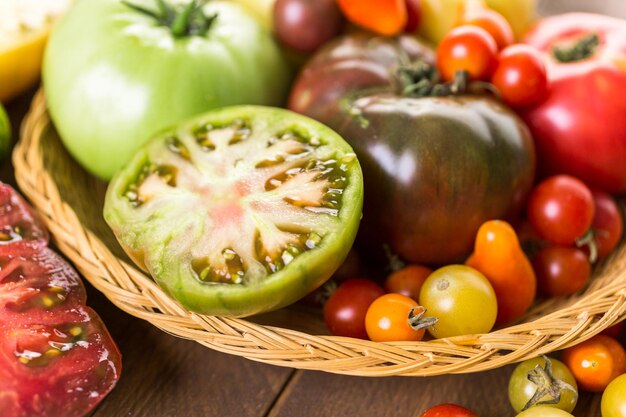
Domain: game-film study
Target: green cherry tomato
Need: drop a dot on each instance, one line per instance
(114, 76)
(537, 381)
(544, 411)
(239, 211)
(614, 398)
(462, 300)
(5, 133)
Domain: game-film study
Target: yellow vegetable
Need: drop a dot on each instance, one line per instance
(439, 16)
(24, 28)
(262, 9)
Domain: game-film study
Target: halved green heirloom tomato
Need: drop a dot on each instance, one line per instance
(239, 211)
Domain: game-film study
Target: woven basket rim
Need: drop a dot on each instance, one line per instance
(602, 305)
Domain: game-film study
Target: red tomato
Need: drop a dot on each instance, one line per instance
(579, 127)
(56, 356)
(414, 15)
(467, 48)
(494, 23)
(596, 362)
(561, 209)
(521, 76)
(561, 270)
(387, 319)
(344, 312)
(408, 280)
(607, 224)
(18, 222)
(448, 410)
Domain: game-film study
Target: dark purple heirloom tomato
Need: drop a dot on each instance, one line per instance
(435, 168)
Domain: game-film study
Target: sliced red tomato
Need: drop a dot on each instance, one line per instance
(56, 356)
(17, 219)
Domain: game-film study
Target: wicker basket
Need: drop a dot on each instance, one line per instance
(70, 201)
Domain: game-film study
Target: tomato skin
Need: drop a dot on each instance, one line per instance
(384, 17)
(522, 389)
(414, 15)
(569, 138)
(520, 76)
(498, 255)
(494, 23)
(614, 398)
(467, 48)
(386, 319)
(122, 102)
(544, 411)
(305, 25)
(561, 270)
(347, 65)
(461, 299)
(408, 280)
(345, 310)
(447, 410)
(607, 224)
(596, 362)
(561, 209)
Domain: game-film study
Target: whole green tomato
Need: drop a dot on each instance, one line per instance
(539, 381)
(614, 398)
(114, 75)
(544, 411)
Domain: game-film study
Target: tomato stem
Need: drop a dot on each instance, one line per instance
(588, 239)
(584, 48)
(547, 385)
(417, 321)
(187, 20)
(420, 79)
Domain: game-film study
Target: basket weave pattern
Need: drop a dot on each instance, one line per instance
(70, 203)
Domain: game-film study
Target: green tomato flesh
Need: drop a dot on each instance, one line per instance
(462, 300)
(113, 77)
(614, 398)
(522, 389)
(240, 211)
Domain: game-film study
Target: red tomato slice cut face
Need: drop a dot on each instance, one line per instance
(38, 286)
(17, 219)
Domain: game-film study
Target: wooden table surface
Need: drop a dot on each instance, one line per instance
(166, 376)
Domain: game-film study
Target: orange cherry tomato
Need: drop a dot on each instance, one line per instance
(494, 23)
(498, 255)
(408, 280)
(387, 319)
(596, 362)
(385, 17)
(467, 48)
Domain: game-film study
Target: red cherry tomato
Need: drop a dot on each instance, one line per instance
(520, 76)
(387, 319)
(467, 48)
(344, 312)
(561, 209)
(448, 410)
(561, 270)
(408, 280)
(494, 23)
(607, 224)
(414, 15)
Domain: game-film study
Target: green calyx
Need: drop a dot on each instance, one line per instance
(184, 20)
(421, 79)
(584, 48)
